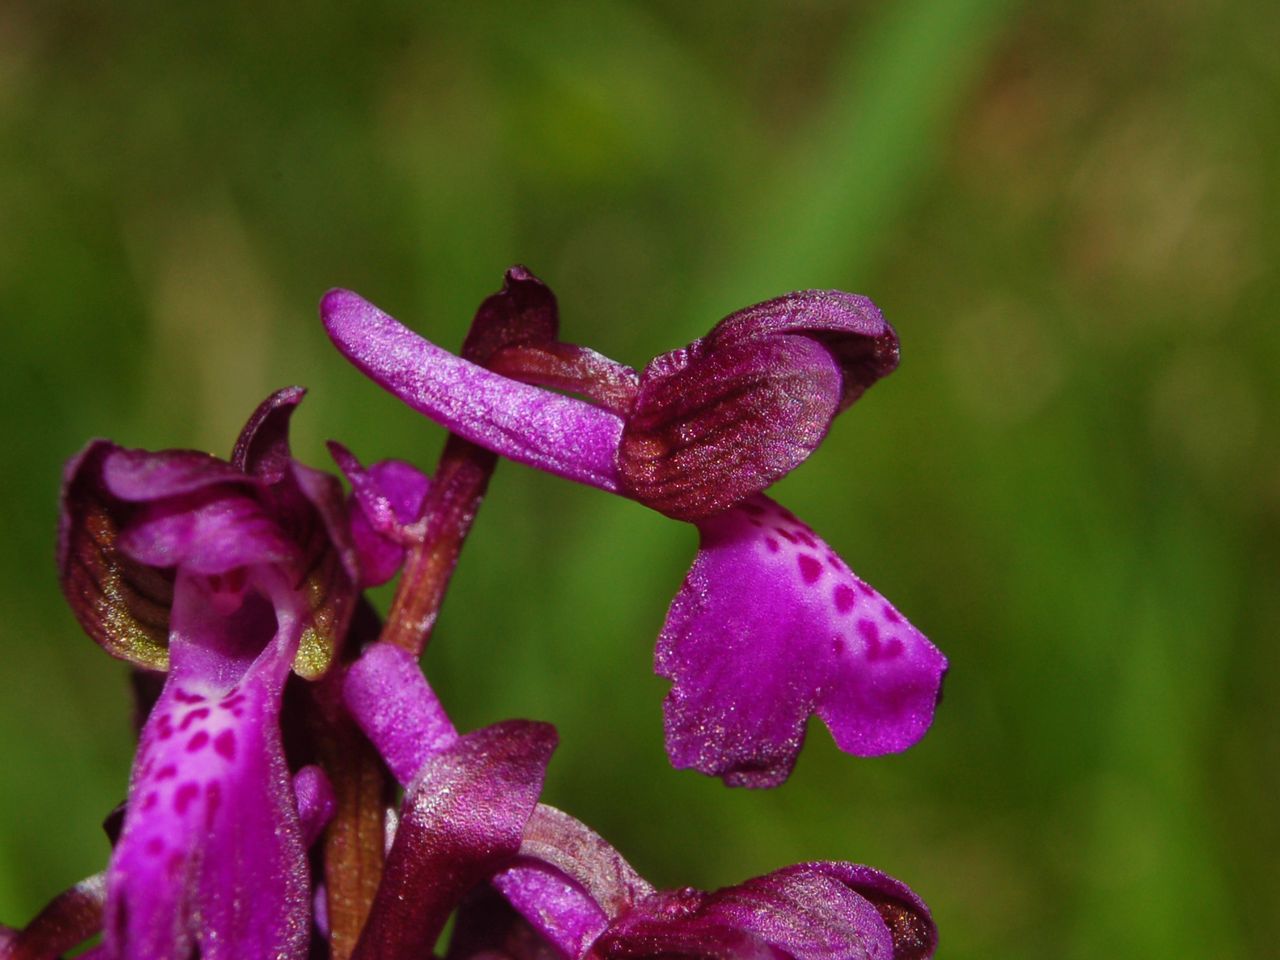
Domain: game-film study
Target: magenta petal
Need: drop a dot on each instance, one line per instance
(211, 854)
(569, 882)
(210, 531)
(316, 802)
(797, 913)
(463, 818)
(390, 700)
(143, 475)
(385, 498)
(771, 626)
(536, 427)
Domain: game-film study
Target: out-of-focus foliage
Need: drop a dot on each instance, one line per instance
(1072, 484)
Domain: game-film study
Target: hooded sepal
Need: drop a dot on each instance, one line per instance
(771, 626)
(723, 418)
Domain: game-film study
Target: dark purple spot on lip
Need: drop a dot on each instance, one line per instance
(150, 800)
(753, 508)
(754, 522)
(772, 544)
(198, 741)
(787, 535)
(892, 648)
(183, 697)
(891, 614)
(834, 562)
(225, 744)
(870, 634)
(808, 539)
(185, 796)
(155, 846)
(810, 569)
(164, 727)
(167, 772)
(837, 646)
(213, 796)
(194, 716)
(844, 598)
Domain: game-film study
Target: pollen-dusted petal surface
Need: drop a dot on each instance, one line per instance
(567, 437)
(771, 626)
(788, 915)
(211, 854)
(850, 325)
(463, 818)
(388, 697)
(713, 425)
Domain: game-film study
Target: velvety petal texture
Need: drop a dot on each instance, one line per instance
(771, 626)
(462, 819)
(559, 434)
(386, 497)
(789, 915)
(712, 427)
(390, 700)
(212, 856)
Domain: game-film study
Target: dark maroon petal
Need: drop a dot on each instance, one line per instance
(69, 919)
(462, 819)
(771, 626)
(121, 604)
(262, 449)
(851, 326)
(566, 366)
(711, 427)
(521, 314)
(797, 914)
(915, 937)
(143, 476)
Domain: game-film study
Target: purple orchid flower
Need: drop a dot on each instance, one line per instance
(227, 575)
(770, 625)
(555, 889)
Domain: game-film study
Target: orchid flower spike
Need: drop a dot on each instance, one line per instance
(530, 882)
(770, 625)
(226, 576)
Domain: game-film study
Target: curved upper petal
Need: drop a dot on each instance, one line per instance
(536, 427)
(848, 324)
(771, 626)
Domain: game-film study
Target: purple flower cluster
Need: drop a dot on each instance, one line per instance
(298, 790)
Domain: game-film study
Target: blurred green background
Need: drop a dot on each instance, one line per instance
(1069, 211)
